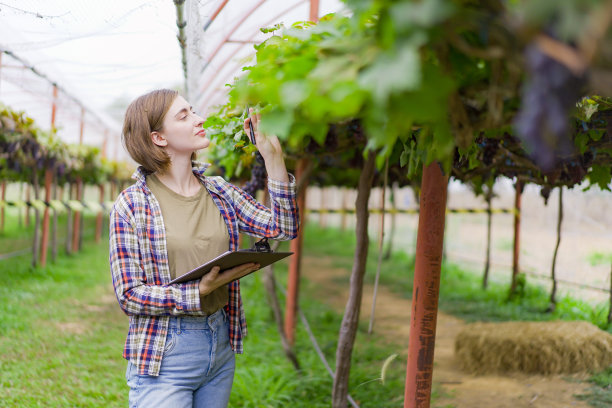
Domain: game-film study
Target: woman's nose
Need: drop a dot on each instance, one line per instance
(198, 120)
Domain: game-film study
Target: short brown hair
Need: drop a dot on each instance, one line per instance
(145, 115)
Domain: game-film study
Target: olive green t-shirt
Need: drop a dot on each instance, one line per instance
(195, 234)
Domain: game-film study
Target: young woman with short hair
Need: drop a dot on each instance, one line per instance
(182, 337)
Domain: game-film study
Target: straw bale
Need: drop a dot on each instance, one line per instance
(533, 347)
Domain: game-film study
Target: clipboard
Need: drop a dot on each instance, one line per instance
(260, 254)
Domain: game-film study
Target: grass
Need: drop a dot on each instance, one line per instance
(62, 334)
(599, 258)
(461, 295)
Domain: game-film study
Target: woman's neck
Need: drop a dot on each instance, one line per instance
(180, 178)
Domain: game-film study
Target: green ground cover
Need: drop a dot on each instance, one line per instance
(62, 333)
(461, 295)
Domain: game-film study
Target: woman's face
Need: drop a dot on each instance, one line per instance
(182, 132)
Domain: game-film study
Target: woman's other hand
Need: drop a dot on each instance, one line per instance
(270, 148)
(215, 279)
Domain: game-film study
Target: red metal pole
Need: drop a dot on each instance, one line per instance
(99, 216)
(215, 14)
(517, 230)
(314, 11)
(54, 106)
(426, 288)
(82, 125)
(104, 144)
(48, 180)
(295, 260)
(45, 226)
(1, 67)
(76, 230)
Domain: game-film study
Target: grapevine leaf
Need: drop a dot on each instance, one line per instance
(601, 176)
(277, 122)
(392, 73)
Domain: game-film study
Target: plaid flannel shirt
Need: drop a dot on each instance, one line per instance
(139, 259)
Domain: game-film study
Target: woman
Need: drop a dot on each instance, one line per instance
(182, 337)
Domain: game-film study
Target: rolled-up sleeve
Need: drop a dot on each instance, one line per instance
(280, 221)
(136, 294)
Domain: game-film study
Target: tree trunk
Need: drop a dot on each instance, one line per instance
(392, 198)
(610, 310)
(348, 329)
(381, 240)
(553, 292)
(489, 198)
(270, 285)
(426, 288)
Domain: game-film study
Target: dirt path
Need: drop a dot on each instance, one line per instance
(462, 390)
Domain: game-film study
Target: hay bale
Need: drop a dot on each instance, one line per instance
(533, 347)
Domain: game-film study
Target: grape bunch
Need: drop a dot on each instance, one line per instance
(548, 98)
(258, 176)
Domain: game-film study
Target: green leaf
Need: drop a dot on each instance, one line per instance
(425, 13)
(601, 176)
(277, 122)
(392, 72)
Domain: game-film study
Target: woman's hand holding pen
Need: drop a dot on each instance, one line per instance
(269, 147)
(214, 279)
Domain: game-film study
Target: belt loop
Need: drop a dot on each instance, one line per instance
(178, 324)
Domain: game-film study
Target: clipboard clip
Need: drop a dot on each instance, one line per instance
(262, 246)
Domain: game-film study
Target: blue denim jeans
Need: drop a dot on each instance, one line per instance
(197, 369)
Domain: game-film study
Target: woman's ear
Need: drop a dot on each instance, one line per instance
(159, 139)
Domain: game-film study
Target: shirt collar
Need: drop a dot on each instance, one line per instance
(198, 169)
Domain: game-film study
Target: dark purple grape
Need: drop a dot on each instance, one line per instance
(543, 122)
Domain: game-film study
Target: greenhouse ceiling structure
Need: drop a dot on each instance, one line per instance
(101, 55)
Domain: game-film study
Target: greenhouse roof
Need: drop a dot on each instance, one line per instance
(101, 55)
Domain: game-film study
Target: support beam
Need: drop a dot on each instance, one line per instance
(215, 14)
(291, 304)
(207, 88)
(314, 11)
(428, 264)
(517, 231)
(82, 126)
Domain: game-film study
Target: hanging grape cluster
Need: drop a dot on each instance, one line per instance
(549, 96)
(258, 176)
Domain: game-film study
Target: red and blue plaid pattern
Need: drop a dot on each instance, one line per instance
(139, 259)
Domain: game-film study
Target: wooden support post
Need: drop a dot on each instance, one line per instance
(517, 230)
(76, 230)
(428, 263)
(45, 226)
(291, 301)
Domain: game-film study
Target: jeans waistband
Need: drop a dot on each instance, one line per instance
(196, 322)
